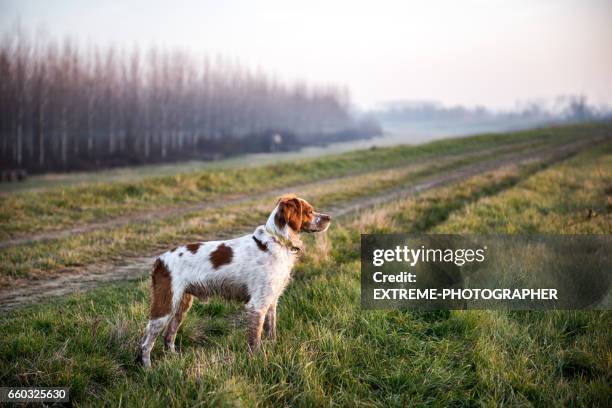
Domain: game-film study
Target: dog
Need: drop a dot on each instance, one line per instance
(254, 268)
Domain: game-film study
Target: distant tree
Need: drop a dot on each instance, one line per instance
(64, 107)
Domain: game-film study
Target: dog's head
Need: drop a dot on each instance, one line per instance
(299, 215)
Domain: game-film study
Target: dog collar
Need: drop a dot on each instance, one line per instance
(286, 242)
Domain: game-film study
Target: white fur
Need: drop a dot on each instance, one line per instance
(264, 273)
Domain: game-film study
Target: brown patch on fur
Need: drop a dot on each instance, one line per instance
(307, 213)
(173, 249)
(294, 212)
(279, 219)
(291, 209)
(161, 290)
(221, 256)
(193, 248)
(260, 245)
(225, 289)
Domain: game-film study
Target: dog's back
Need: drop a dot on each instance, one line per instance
(254, 268)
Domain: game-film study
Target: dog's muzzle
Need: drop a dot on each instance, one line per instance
(319, 223)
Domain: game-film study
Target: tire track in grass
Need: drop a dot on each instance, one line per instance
(551, 154)
(135, 268)
(43, 259)
(236, 198)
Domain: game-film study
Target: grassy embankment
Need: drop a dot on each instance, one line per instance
(331, 352)
(59, 208)
(46, 258)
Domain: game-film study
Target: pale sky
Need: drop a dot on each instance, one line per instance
(488, 52)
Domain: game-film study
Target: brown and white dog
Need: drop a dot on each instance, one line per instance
(254, 268)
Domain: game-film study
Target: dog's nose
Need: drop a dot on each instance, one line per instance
(325, 217)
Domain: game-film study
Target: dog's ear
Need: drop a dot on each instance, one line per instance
(289, 212)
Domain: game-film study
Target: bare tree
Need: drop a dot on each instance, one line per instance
(62, 107)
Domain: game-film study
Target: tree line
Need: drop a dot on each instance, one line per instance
(64, 106)
(419, 116)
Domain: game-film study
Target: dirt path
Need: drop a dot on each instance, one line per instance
(26, 292)
(225, 200)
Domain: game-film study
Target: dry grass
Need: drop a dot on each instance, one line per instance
(329, 351)
(46, 258)
(63, 207)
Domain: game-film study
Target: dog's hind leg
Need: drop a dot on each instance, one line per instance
(176, 321)
(163, 304)
(154, 327)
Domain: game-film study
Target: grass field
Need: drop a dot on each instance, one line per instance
(359, 174)
(136, 173)
(51, 257)
(329, 351)
(56, 208)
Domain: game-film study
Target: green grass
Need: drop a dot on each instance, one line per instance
(47, 258)
(56, 208)
(329, 352)
(574, 197)
(134, 173)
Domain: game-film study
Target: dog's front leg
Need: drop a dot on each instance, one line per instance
(255, 320)
(270, 322)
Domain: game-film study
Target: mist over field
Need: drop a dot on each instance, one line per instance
(430, 117)
(64, 108)
(184, 189)
(82, 97)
